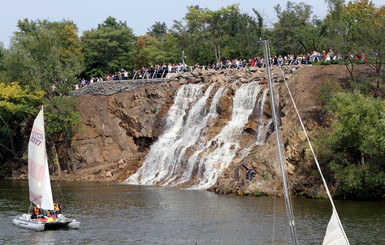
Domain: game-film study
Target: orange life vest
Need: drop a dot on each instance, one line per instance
(57, 207)
(36, 211)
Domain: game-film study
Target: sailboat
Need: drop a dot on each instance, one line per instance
(40, 192)
(335, 234)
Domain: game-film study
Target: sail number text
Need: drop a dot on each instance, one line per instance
(36, 138)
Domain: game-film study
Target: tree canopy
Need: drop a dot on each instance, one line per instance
(356, 144)
(225, 32)
(108, 48)
(17, 103)
(44, 54)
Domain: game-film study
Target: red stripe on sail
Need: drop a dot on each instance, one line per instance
(36, 170)
(38, 130)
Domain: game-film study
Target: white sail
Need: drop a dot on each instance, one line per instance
(335, 234)
(40, 192)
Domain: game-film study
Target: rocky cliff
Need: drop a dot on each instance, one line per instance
(119, 129)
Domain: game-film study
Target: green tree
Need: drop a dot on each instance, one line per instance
(45, 54)
(145, 49)
(157, 30)
(354, 30)
(17, 104)
(245, 32)
(372, 39)
(62, 120)
(169, 43)
(108, 48)
(195, 47)
(2, 54)
(150, 50)
(209, 36)
(355, 147)
(3, 73)
(157, 47)
(211, 26)
(296, 32)
(335, 12)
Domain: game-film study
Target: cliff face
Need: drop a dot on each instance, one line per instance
(304, 85)
(119, 130)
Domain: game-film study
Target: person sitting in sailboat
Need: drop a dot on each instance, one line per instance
(36, 212)
(57, 208)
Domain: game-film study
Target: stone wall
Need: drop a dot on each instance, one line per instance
(196, 76)
(114, 87)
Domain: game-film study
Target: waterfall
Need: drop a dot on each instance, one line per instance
(262, 124)
(184, 155)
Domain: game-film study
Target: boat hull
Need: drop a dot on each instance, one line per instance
(25, 221)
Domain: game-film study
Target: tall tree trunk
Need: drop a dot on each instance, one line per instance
(350, 68)
(378, 82)
(71, 163)
(56, 160)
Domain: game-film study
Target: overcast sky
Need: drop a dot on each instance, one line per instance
(139, 15)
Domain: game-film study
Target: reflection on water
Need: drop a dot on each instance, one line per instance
(124, 214)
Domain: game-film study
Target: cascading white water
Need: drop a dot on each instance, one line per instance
(158, 161)
(262, 125)
(215, 155)
(182, 155)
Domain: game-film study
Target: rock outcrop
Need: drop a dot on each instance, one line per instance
(118, 130)
(120, 127)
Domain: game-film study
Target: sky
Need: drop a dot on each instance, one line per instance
(139, 15)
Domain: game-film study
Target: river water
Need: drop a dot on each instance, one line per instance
(129, 214)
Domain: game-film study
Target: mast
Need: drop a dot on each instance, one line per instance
(289, 208)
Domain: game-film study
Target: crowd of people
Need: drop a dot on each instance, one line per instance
(160, 71)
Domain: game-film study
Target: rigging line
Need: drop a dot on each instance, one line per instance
(30, 207)
(313, 153)
(61, 193)
(288, 204)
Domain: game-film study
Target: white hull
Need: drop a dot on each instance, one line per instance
(74, 224)
(25, 221)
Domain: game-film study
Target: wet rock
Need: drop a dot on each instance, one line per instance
(122, 119)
